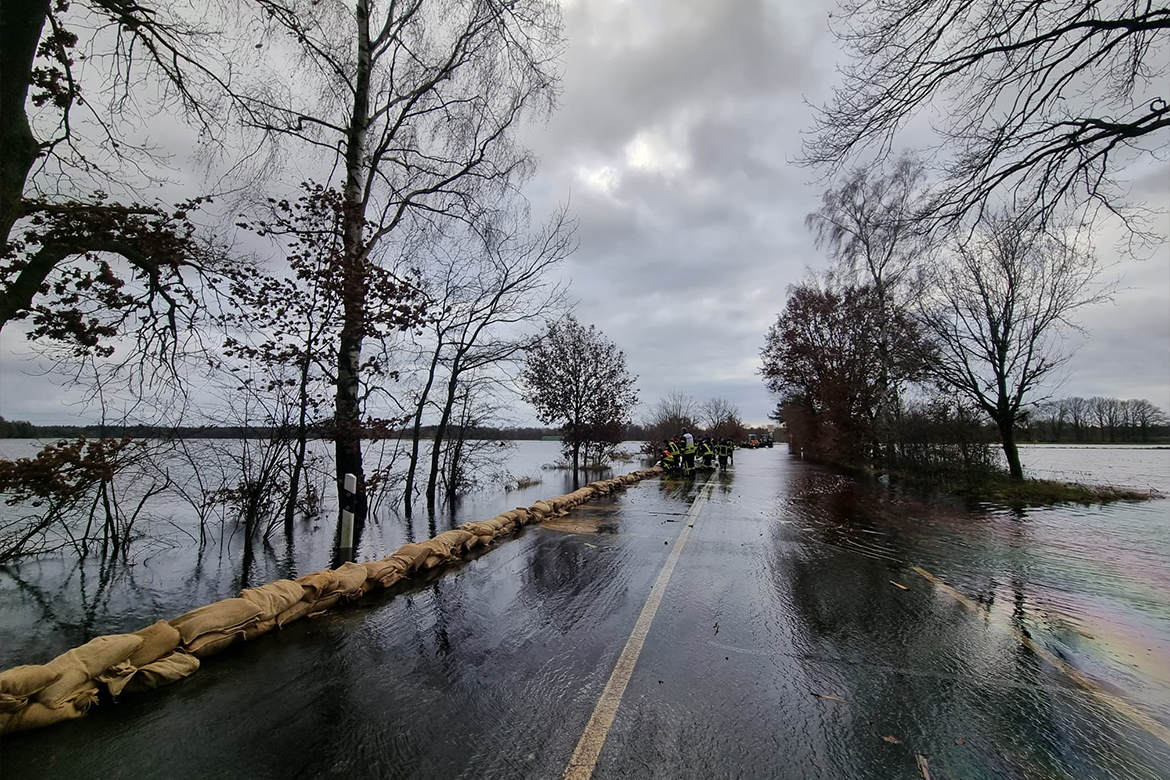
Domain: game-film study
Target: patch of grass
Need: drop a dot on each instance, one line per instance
(996, 486)
(1046, 492)
(521, 482)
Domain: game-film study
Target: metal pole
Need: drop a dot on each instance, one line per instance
(346, 551)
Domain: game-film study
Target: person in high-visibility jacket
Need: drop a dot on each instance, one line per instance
(723, 450)
(707, 452)
(671, 455)
(689, 450)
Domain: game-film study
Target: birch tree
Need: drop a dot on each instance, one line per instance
(417, 101)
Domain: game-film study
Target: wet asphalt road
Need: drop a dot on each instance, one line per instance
(781, 649)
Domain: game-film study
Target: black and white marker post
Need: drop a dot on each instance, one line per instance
(349, 500)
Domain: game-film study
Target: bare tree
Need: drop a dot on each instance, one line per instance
(1049, 419)
(1078, 415)
(671, 414)
(721, 418)
(576, 377)
(1145, 417)
(1105, 413)
(1042, 100)
(59, 128)
(288, 324)
(480, 398)
(995, 310)
(509, 287)
(417, 99)
(484, 292)
(872, 227)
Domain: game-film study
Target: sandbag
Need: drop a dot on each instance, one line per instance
(259, 629)
(449, 545)
(37, 715)
(157, 640)
(543, 508)
(78, 667)
(20, 682)
(116, 677)
(295, 612)
(274, 598)
(437, 547)
(72, 682)
(477, 527)
(392, 572)
(103, 652)
(168, 669)
(212, 642)
(351, 580)
(383, 571)
(325, 604)
(479, 541)
(318, 583)
(412, 555)
(229, 615)
(502, 527)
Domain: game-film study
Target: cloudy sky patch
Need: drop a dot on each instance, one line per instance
(673, 141)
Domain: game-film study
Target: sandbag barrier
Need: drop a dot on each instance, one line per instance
(33, 696)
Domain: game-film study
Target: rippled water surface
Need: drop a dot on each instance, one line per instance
(817, 625)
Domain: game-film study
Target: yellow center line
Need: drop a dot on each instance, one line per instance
(584, 759)
(1119, 704)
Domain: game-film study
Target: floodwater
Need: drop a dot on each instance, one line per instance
(1031, 644)
(52, 603)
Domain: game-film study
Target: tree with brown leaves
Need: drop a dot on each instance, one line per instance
(577, 378)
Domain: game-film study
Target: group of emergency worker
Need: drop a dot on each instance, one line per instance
(680, 453)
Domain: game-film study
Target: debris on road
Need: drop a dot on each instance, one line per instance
(830, 698)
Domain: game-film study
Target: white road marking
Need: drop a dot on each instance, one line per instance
(584, 759)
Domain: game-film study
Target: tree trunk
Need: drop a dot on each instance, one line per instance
(1011, 452)
(455, 465)
(348, 423)
(441, 431)
(294, 480)
(19, 35)
(576, 462)
(408, 497)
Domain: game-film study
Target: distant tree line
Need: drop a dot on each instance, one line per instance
(677, 411)
(1098, 419)
(21, 429)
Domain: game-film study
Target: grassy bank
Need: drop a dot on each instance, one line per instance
(1046, 492)
(1002, 489)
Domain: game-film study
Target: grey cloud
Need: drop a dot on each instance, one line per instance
(686, 264)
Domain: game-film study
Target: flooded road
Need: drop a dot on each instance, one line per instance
(813, 625)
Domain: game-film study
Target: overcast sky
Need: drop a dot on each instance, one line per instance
(677, 124)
